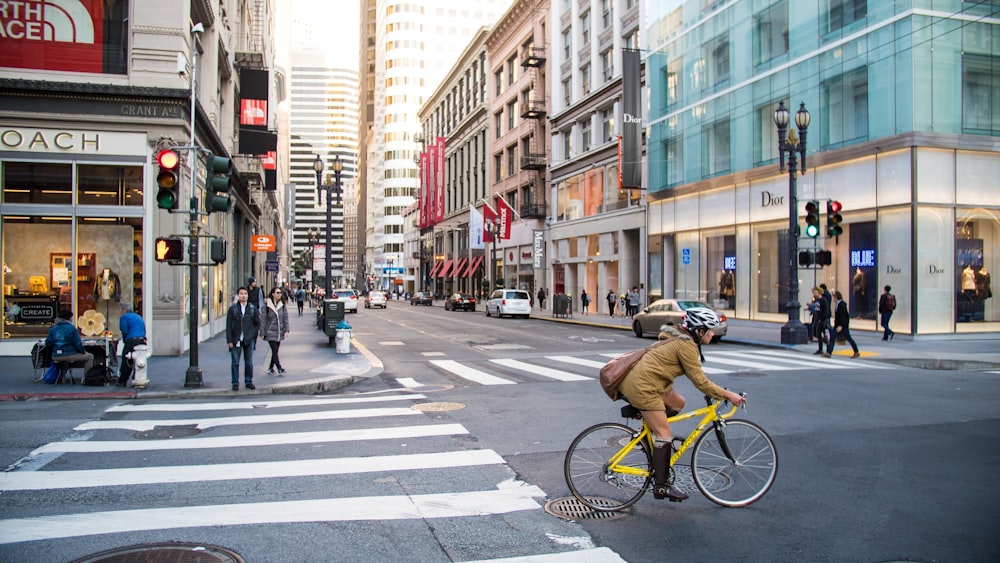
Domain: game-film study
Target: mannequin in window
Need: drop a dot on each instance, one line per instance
(860, 286)
(969, 283)
(983, 289)
(108, 286)
(729, 287)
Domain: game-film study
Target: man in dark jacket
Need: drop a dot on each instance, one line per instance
(64, 342)
(821, 320)
(242, 325)
(841, 325)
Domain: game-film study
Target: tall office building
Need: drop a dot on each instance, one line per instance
(414, 45)
(324, 124)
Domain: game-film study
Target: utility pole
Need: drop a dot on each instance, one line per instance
(193, 376)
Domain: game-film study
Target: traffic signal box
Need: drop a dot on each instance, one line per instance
(812, 219)
(217, 250)
(817, 258)
(169, 249)
(219, 171)
(168, 195)
(834, 219)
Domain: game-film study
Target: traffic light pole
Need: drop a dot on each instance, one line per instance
(193, 376)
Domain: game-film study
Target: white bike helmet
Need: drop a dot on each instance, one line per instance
(700, 317)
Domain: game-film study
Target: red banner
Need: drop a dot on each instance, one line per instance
(489, 218)
(506, 215)
(439, 181)
(253, 112)
(53, 35)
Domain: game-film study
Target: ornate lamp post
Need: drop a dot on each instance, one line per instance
(793, 331)
(338, 167)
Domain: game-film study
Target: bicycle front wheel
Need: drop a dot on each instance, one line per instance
(590, 477)
(743, 479)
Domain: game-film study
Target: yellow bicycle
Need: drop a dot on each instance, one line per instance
(609, 466)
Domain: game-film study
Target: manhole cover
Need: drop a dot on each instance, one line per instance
(164, 553)
(168, 432)
(572, 509)
(437, 407)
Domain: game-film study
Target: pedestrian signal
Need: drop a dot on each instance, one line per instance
(824, 258)
(806, 258)
(168, 195)
(217, 250)
(812, 219)
(833, 219)
(169, 249)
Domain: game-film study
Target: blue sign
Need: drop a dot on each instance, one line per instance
(389, 271)
(685, 256)
(862, 258)
(271, 266)
(729, 262)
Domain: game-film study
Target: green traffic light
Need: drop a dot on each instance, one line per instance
(166, 199)
(812, 231)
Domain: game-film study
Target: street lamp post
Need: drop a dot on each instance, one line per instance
(793, 331)
(338, 167)
(313, 240)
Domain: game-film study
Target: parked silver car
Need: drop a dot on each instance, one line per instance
(670, 312)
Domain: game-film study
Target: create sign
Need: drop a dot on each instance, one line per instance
(262, 243)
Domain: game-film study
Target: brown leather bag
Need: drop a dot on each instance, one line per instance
(615, 371)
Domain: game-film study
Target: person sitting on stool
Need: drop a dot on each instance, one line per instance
(133, 334)
(64, 342)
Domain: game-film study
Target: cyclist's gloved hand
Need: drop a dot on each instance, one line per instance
(734, 398)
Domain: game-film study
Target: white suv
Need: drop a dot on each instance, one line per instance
(509, 302)
(348, 297)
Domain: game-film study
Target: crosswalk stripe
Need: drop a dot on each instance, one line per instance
(746, 363)
(578, 361)
(257, 405)
(543, 371)
(506, 499)
(828, 362)
(45, 480)
(471, 374)
(256, 440)
(592, 555)
(144, 425)
(796, 360)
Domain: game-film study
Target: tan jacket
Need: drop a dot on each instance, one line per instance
(656, 371)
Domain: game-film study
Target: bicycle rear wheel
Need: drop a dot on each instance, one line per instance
(743, 479)
(587, 472)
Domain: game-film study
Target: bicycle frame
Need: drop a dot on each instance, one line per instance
(710, 416)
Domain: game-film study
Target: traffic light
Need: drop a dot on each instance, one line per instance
(833, 219)
(806, 258)
(217, 177)
(169, 249)
(824, 258)
(167, 179)
(812, 219)
(217, 250)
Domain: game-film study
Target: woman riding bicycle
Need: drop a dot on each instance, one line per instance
(649, 386)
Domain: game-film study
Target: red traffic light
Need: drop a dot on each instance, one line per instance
(168, 159)
(834, 207)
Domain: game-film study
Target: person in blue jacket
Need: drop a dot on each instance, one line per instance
(64, 342)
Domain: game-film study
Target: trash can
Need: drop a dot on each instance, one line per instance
(343, 338)
(560, 306)
(333, 313)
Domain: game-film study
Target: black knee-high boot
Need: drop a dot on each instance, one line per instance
(661, 472)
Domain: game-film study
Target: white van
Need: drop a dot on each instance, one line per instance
(509, 302)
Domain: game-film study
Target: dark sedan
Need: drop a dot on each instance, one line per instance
(421, 298)
(460, 302)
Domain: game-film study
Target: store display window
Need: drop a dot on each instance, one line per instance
(720, 271)
(976, 255)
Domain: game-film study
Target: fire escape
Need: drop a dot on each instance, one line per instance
(534, 159)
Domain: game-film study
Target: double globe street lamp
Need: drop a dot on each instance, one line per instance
(793, 331)
(337, 167)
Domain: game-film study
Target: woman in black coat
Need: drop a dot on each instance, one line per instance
(841, 324)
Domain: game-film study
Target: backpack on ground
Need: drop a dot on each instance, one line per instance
(97, 375)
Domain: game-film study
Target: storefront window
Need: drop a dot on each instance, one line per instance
(109, 185)
(39, 271)
(772, 271)
(865, 291)
(977, 242)
(720, 271)
(37, 182)
(106, 271)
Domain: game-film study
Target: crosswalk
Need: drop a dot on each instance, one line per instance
(284, 465)
(587, 367)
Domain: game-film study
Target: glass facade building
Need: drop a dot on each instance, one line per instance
(905, 104)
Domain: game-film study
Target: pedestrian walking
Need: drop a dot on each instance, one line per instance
(821, 320)
(611, 302)
(541, 298)
(584, 302)
(300, 298)
(242, 326)
(274, 327)
(255, 294)
(633, 302)
(841, 326)
(828, 297)
(133, 334)
(623, 304)
(886, 305)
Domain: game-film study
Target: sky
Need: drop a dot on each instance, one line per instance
(329, 25)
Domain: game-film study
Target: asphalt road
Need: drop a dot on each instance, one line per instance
(877, 462)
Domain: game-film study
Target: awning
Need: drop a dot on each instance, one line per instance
(445, 268)
(456, 272)
(472, 267)
(435, 269)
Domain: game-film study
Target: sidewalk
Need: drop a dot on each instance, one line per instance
(312, 367)
(976, 351)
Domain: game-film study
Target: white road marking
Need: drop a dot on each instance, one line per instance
(50, 480)
(442, 505)
(144, 425)
(593, 555)
(746, 363)
(255, 440)
(471, 374)
(831, 362)
(255, 405)
(543, 371)
(578, 361)
(793, 359)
